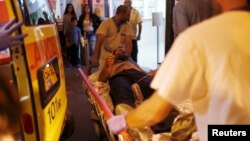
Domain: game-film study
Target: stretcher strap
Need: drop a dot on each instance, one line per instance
(107, 112)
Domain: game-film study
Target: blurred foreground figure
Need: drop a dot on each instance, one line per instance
(209, 64)
(10, 109)
(189, 12)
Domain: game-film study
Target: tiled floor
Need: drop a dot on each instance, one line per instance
(79, 106)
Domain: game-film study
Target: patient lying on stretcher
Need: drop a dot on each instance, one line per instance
(122, 72)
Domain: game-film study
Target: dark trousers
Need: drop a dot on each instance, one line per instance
(121, 92)
(120, 86)
(74, 55)
(134, 50)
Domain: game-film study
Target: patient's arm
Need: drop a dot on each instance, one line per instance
(104, 74)
(106, 71)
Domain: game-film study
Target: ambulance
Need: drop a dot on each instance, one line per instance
(36, 68)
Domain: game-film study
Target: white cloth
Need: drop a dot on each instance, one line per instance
(210, 63)
(134, 19)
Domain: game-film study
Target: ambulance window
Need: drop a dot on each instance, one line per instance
(5, 56)
(48, 80)
(36, 12)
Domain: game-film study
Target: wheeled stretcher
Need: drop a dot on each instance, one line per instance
(103, 109)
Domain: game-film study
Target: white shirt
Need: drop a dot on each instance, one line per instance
(134, 19)
(209, 63)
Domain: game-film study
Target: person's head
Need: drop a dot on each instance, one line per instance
(123, 12)
(69, 9)
(121, 53)
(87, 9)
(10, 108)
(73, 21)
(128, 3)
(41, 21)
(45, 14)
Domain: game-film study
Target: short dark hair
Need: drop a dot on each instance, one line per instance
(73, 18)
(122, 9)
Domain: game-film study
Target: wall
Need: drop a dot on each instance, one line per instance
(147, 46)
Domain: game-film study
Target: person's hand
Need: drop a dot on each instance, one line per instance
(6, 39)
(110, 60)
(138, 37)
(117, 123)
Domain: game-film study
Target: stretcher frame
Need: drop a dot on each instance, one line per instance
(102, 110)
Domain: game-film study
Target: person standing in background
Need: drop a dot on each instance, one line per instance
(73, 40)
(68, 14)
(208, 64)
(112, 33)
(136, 24)
(189, 12)
(10, 109)
(88, 23)
(44, 20)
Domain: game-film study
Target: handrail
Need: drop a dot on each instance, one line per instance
(107, 112)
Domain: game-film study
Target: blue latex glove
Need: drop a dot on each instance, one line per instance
(117, 123)
(6, 37)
